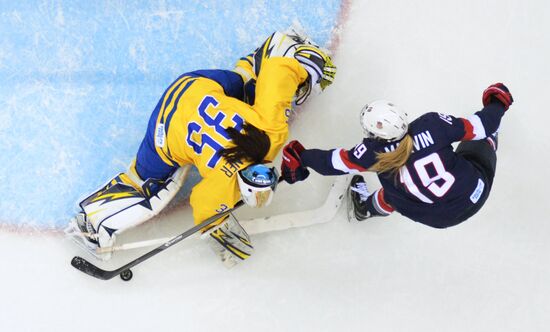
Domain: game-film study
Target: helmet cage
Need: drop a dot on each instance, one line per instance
(257, 184)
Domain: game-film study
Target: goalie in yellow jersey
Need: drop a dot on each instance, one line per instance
(230, 125)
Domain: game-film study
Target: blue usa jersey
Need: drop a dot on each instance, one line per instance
(436, 185)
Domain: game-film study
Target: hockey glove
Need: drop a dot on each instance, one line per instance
(497, 92)
(291, 168)
(317, 63)
(321, 71)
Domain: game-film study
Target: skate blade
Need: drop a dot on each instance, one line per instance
(73, 232)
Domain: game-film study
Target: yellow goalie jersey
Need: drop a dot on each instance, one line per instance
(193, 113)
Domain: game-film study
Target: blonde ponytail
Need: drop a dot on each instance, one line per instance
(393, 160)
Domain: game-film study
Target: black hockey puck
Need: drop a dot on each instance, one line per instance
(126, 275)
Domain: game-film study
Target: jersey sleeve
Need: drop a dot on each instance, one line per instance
(483, 123)
(475, 127)
(449, 128)
(212, 195)
(340, 161)
(277, 83)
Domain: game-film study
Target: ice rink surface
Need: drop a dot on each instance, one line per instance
(490, 273)
(80, 80)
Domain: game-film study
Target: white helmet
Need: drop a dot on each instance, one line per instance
(382, 119)
(257, 183)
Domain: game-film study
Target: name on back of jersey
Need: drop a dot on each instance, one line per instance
(420, 141)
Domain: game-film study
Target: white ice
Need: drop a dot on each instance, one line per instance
(491, 273)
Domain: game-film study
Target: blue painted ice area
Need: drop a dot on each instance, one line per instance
(78, 80)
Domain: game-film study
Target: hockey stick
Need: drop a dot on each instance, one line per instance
(94, 271)
(322, 214)
(132, 245)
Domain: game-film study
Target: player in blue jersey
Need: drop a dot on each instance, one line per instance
(422, 176)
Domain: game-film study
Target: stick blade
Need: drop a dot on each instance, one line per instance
(90, 269)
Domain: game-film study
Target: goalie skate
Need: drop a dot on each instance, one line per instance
(83, 235)
(350, 213)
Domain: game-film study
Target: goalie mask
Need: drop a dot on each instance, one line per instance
(383, 120)
(257, 183)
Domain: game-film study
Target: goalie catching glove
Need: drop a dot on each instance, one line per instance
(291, 167)
(320, 68)
(291, 44)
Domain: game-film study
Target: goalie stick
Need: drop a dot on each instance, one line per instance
(322, 214)
(94, 271)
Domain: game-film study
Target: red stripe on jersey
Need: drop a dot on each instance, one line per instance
(383, 204)
(468, 130)
(350, 164)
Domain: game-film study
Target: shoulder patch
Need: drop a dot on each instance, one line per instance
(160, 135)
(476, 195)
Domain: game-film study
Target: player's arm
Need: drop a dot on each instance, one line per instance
(212, 195)
(277, 83)
(334, 162)
(496, 101)
(297, 160)
(290, 44)
(275, 89)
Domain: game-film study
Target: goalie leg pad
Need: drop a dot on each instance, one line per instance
(122, 204)
(230, 242)
(83, 234)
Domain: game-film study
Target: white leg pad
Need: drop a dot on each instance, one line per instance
(126, 208)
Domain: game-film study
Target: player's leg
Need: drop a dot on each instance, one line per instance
(230, 241)
(124, 202)
(482, 155)
(215, 194)
(365, 204)
(128, 199)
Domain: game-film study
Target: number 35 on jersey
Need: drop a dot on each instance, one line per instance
(210, 136)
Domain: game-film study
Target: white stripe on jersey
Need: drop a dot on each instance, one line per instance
(479, 129)
(339, 164)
